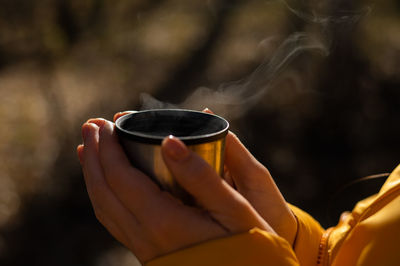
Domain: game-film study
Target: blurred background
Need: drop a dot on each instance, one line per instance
(315, 85)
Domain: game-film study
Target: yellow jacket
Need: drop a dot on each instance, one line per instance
(369, 235)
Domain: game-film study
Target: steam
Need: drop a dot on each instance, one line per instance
(234, 99)
(343, 17)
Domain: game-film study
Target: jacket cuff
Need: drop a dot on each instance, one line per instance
(308, 237)
(255, 247)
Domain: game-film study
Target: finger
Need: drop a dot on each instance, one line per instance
(119, 114)
(102, 217)
(226, 205)
(251, 178)
(228, 178)
(108, 209)
(247, 173)
(206, 110)
(135, 190)
(255, 183)
(79, 151)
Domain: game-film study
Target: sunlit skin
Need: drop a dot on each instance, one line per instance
(151, 222)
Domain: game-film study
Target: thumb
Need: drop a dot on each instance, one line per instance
(198, 178)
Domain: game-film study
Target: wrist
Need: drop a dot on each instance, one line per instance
(288, 226)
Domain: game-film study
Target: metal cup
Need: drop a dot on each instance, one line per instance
(141, 134)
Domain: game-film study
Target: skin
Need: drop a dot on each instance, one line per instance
(149, 221)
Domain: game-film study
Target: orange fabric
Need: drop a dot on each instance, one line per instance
(369, 235)
(309, 233)
(255, 247)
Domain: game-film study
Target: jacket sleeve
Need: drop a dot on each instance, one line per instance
(255, 247)
(308, 237)
(375, 240)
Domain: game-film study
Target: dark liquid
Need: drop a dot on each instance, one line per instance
(173, 122)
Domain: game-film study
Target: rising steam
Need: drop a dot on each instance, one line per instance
(234, 99)
(347, 17)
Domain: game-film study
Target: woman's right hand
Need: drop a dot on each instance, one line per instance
(254, 182)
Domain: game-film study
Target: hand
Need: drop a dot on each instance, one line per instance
(254, 182)
(149, 221)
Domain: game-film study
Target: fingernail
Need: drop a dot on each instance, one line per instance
(207, 110)
(123, 113)
(79, 150)
(175, 148)
(118, 115)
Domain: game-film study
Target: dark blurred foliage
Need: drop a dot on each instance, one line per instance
(323, 122)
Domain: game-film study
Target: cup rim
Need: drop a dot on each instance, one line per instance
(154, 139)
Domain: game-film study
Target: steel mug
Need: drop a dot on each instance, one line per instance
(141, 134)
